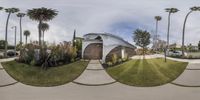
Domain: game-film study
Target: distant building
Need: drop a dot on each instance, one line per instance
(174, 45)
(159, 45)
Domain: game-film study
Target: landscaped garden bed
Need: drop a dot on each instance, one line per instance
(35, 76)
(147, 72)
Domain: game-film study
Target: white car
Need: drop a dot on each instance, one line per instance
(175, 53)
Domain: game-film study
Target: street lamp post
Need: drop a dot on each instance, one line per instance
(15, 27)
(184, 25)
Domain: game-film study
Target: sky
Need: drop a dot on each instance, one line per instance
(118, 17)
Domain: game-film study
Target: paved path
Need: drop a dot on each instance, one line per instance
(94, 75)
(5, 79)
(190, 77)
(8, 59)
(115, 91)
(162, 56)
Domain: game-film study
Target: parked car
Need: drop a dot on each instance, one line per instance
(11, 53)
(175, 53)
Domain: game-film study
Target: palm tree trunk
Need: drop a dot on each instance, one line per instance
(183, 35)
(40, 32)
(43, 37)
(26, 39)
(143, 52)
(167, 46)
(156, 34)
(6, 35)
(20, 23)
(168, 30)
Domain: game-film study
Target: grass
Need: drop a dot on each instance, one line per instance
(147, 73)
(35, 76)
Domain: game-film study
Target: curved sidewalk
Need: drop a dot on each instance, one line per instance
(94, 75)
(5, 79)
(190, 77)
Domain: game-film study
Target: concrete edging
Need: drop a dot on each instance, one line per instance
(185, 85)
(94, 84)
(8, 84)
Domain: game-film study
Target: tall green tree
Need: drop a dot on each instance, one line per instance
(2, 44)
(20, 15)
(1, 8)
(9, 11)
(26, 34)
(74, 38)
(170, 11)
(192, 9)
(44, 27)
(41, 15)
(199, 45)
(142, 39)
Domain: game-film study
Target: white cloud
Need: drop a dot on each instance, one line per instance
(102, 15)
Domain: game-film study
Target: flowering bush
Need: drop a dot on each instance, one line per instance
(48, 56)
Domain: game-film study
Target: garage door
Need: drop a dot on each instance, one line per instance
(93, 51)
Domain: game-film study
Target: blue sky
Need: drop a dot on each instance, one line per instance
(119, 17)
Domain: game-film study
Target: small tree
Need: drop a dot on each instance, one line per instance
(142, 39)
(199, 45)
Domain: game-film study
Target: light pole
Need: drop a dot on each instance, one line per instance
(184, 25)
(170, 11)
(15, 27)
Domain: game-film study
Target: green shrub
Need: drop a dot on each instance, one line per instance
(109, 63)
(114, 58)
(48, 56)
(119, 60)
(190, 56)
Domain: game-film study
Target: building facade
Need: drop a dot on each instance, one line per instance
(103, 45)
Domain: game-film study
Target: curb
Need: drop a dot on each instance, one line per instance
(95, 69)
(191, 69)
(93, 84)
(8, 84)
(184, 85)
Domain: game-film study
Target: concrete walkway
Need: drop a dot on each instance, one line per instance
(5, 79)
(94, 75)
(190, 77)
(162, 56)
(115, 91)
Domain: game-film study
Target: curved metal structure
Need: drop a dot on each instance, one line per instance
(108, 41)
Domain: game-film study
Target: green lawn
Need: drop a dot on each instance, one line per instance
(146, 73)
(35, 76)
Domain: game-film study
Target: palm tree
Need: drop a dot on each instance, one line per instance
(74, 39)
(44, 27)
(170, 11)
(40, 15)
(26, 34)
(157, 18)
(9, 11)
(183, 35)
(1, 8)
(20, 15)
